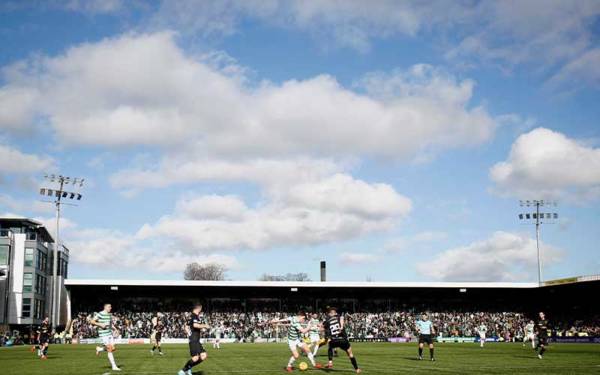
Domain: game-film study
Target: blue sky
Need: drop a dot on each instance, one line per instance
(392, 140)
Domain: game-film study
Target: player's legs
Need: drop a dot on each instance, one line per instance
(352, 359)
(315, 346)
(532, 339)
(481, 340)
(541, 348)
(293, 358)
(431, 351)
(421, 350)
(110, 348)
(309, 354)
(198, 355)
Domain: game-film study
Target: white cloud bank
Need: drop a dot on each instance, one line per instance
(542, 33)
(336, 208)
(144, 90)
(14, 161)
(547, 164)
(502, 257)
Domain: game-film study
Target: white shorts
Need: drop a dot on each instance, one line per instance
(482, 336)
(530, 337)
(294, 344)
(108, 341)
(315, 338)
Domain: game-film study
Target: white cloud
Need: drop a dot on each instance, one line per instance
(93, 7)
(358, 258)
(186, 169)
(143, 89)
(111, 248)
(502, 257)
(542, 33)
(547, 164)
(24, 206)
(17, 162)
(335, 208)
(583, 70)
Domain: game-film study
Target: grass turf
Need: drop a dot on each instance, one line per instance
(257, 359)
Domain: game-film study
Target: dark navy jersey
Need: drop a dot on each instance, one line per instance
(333, 328)
(44, 329)
(195, 332)
(541, 328)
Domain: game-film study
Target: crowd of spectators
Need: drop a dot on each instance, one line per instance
(247, 326)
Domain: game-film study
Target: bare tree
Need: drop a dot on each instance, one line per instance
(209, 271)
(287, 277)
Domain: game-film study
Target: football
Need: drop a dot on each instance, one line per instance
(303, 366)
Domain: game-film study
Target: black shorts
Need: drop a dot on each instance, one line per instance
(543, 340)
(196, 348)
(44, 339)
(158, 336)
(343, 344)
(425, 339)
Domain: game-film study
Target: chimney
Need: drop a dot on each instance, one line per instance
(323, 271)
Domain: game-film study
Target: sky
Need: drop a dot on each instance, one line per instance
(393, 140)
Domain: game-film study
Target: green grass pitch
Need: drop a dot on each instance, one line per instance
(257, 359)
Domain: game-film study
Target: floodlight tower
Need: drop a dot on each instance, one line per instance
(538, 218)
(59, 194)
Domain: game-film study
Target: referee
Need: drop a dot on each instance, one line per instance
(426, 332)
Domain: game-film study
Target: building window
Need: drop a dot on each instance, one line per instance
(26, 308)
(27, 282)
(40, 284)
(3, 255)
(28, 257)
(41, 260)
(38, 312)
(62, 268)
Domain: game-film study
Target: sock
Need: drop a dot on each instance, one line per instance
(315, 349)
(153, 348)
(291, 361)
(45, 351)
(542, 350)
(311, 358)
(99, 348)
(354, 364)
(431, 352)
(420, 352)
(111, 359)
(159, 349)
(191, 364)
(330, 354)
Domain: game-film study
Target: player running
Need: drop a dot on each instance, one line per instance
(197, 351)
(482, 330)
(426, 330)
(295, 332)
(217, 332)
(103, 320)
(313, 333)
(541, 332)
(156, 336)
(335, 332)
(529, 334)
(42, 339)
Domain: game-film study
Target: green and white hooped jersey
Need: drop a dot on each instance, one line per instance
(104, 318)
(529, 329)
(482, 329)
(295, 329)
(314, 327)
